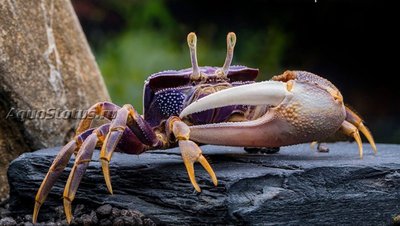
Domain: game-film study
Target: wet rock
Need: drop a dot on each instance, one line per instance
(294, 186)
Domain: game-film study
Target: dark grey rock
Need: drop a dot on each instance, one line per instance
(28, 217)
(87, 220)
(104, 210)
(8, 221)
(296, 186)
(118, 222)
(105, 222)
(78, 209)
(93, 217)
(148, 222)
(115, 212)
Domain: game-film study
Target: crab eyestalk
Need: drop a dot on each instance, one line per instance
(192, 43)
(230, 45)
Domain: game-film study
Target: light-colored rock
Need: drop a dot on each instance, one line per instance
(45, 63)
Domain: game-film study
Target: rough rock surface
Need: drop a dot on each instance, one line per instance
(45, 63)
(83, 216)
(294, 186)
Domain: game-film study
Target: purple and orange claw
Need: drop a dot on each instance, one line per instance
(191, 153)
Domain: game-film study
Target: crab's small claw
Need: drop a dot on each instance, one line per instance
(270, 93)
(190, 151)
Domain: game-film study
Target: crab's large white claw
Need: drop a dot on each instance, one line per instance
(270, 93)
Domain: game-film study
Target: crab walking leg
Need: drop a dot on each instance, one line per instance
(78, 170)
(105, 109)
(52, 175)
(126, 117)
(190, 151)
(354, 119)
(352, 131)
(58, 166)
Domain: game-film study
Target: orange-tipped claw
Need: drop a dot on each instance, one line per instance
(203, 161)
(190, 170)
(191, 153)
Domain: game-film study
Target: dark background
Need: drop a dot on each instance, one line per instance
(351, 43)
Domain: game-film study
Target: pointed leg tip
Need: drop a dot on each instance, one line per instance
(67, 210)
(374, 149)
(36, 212)
(215, 182)
(203, 161)
(106, 173)
(312, 145)
(361, 153)
(109, 188)
(194, 183)
(197, 188)
(369, 136)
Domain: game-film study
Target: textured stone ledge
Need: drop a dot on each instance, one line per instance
(294, 186)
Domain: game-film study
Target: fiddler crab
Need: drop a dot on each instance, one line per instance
(207, 105)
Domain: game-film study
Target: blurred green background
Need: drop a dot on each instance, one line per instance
(344, 41)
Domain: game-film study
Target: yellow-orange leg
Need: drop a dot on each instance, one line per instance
(354, 119)
(82, 160)
(105, 109)
(125, 117)
(59, 164)
(190, 151)
(352, 131)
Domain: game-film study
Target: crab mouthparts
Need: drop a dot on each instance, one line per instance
(262, 93)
